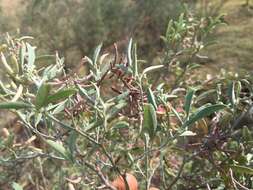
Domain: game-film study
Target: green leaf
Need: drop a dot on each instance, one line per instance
(151, 98)
(44, 60)
(72, 143)
(242, 169)
(188, 102)
(203, 112)
(59, 148)
(14, 105)
(42, 95)
(62, 94)
(150, 120)
(16, 186)
(121, 125)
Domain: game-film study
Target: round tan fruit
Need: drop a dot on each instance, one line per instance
(119, 183)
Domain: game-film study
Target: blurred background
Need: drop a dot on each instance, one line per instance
(75, 27)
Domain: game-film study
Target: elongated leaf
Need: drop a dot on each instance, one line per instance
(31, 57)
(176, 114)
(129, 53)
(60, 95)
(26, 38)
(60, 107)
(135, 61)
(72, 143)
(85, 94)
(42, 95)
(44, 60)
(7, 67)
(151, 98)
(96, 54)
(116, 109)
(16, 186)
(242, 169)
(22, 52)
(18, 94)
(206, 95)
(152, 68)
(149, 120)
(231, 93)
(121, 125)
(59, 148)
(187, 133)
(14, 105)
(188, 102)
(203, 112)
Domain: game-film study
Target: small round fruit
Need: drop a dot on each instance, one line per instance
(119, 183)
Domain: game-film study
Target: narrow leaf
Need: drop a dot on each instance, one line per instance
(60, 95)
(149, 120)
(187, 133)
(151, 98)
(72, 143)
(42, 95)
(151, 68)
(203, 112)
(121, 125)
(44, 60)
(7, 67)
(31, 57)
(22, 52)
(14, 105)
(188, 102)
(231, 93)
(135, 61)
(96, 54)
(129, 52)
(59, 148)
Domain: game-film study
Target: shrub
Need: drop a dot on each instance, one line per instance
(161, 124)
